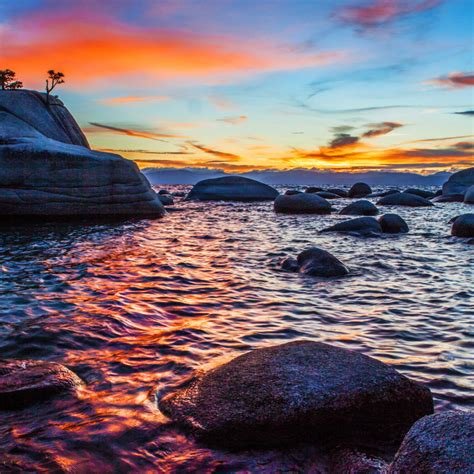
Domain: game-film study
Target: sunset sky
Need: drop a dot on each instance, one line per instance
(245, 84)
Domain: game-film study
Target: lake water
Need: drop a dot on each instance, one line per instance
(134, 307)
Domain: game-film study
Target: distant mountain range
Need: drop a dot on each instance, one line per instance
(298, 177)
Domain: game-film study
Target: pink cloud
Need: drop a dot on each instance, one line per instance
(454, 80)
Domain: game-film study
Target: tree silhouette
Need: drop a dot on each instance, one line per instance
(54, 78)
(8, 81)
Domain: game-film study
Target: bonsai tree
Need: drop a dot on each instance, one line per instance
(8, 81)
(54, 78)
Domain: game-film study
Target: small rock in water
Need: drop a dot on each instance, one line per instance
(340, 192)
(469, 196)
(313, 189)
(360, 208)
(166, 199)
(290, 264)
(393, 224)
(291, 192)
(327, 195)
(24, 382)
(404, 199)
(463, 226)
(301, 390)
(420, 192)
(163, 191)
(301, 203)
(442, 443)
(359, 190)
(318, 262)
(360, 225)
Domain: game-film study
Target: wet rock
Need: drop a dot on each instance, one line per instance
(289, 264)
(393, 224)
(360, 225)
(24, 382)
(359, 190)
(301, 203)
(166, 199)
(450, 198)
(301, 390)
(291, 192)
(163, 191)
(359, 208)
(463, 226)
(419, 192)
(442, 443)
(317, 262)
(349, 461)
(231, 188)
(458, 183)
(179, 194)
(404, 199)
(327, 195)
(469, 196)
(470, 242)
(384, 193)
(313, 189)
(340, 192)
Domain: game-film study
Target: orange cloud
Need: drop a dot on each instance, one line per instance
(131, 132)
(220, 154)
(233, 120)
(91, 49)
(131, 99)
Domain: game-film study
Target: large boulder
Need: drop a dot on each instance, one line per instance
(441, 444)
(231, 188)
(24, 382)
(359, 225)
(404, 199)
(359, 190)
(469, 196)
(48, 169)
(463, 226)
(299, 390)
(359, 208)
(316, 262)
(458, 183)
(392, 224)
(420, 192)
(301, 203)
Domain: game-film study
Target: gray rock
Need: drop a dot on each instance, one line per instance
(327, 195)
(25, 382)
(359, 208)
(231, 188)
(313, 189)
(166, 199)
(360, 225)
(302, 203)
(392, 224)
(469, 196)
(463, 226)
(299, 390)
(442, 443)
(458, 183)
(404, 199)
(359, 190)
(44, 173)
(317, 262)
(420, 192)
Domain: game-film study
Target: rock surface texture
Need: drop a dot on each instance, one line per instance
(320, 263)
(463, 226)
(404, 199)
(458, 183)
(359, 225)
(301, 203)
(392, 224)
(359, 208)
(359, 190)
(469, 196)
(231, 188)
(299, 390)
(48, 169)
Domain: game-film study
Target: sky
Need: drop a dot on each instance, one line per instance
(238, 85)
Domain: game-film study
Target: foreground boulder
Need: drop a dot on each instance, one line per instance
(48, 169)
(359, 208)
(463, 226)
(316, 262)
(404, 199)
(24, 382)
(231, 188)
(301, 390)
(360, 225)
(392, 224)
(301, 203)
(441, 444)
(469, 196)
(359, 190)
(458, 183)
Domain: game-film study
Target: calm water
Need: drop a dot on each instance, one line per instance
(134, 307)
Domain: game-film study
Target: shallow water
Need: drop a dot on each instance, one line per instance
(134, 307)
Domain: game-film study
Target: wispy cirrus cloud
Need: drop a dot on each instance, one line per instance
(211, 151)
(233, 120)
(465, 112)
(131, 132)
(134, 99)
(382, 128)
(454, 80)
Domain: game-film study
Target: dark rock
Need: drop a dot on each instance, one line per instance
(231, 188)
(291, 192)
(463, 226)
(450, 198)
(302, 203)
(179, 194)
(469, 196)
(458, 183)
(327, 195)
(420, 192)
(340, 192)
(438, 193)
(313, 189)
(393, 224)
(289, 264)
(318, 262)
(163, 191)
(166, 199)
(359, 190)
(302, 390)
(360, 208)
(384, 193)
(404, 199)
(442, 443)
(24, 382)
(350, 461)
(360, 225)
(470, 242)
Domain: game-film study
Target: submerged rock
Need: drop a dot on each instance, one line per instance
(442, 443)
(291, 192)
(313, 189)
(420, 192)
(393, 224)
(24, 382)
(318, 262)
(47, 168)
(327, 195)
(458, 183)
(340, 192)
(463, 226)
(360, 225)
(469, 196)
(359, 190)
(166, 199)
(301, 390)
(360, 208)
(404, 199)
(448, 198)
(231, 188)
(302, 203)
